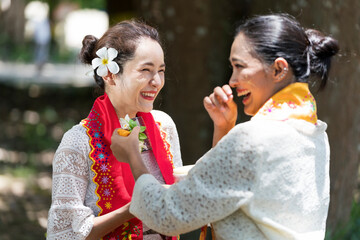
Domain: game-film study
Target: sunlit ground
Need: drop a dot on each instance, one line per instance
(33, 119)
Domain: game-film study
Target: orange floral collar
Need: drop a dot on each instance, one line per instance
(295, 101)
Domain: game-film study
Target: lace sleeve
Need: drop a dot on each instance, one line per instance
(169, 127)
(68, 217)
(219, 184)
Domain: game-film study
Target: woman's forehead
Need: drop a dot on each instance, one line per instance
(241, 43)
(149, 50)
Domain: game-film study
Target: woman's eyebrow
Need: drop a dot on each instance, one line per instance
(152, 64)
(234, 59)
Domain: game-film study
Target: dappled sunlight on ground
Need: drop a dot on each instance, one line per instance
(24, 202)
(33, 117)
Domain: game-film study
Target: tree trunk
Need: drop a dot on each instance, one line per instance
(12, 21)
(339, 104)
(119, 11)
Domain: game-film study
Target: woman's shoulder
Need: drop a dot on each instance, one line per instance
(261, 130)
(77, 131)
(270, 132)
(75, 137)
(162, 117)
(250, 127)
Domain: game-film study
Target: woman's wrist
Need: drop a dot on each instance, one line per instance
(220, 131)
(137, 166)
(224, 127)
(124, 212)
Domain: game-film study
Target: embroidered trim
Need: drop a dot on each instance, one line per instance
(167, 145)
(129, 229)
(292, 102)
(100, 161)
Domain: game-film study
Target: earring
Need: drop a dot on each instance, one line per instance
(283, 73)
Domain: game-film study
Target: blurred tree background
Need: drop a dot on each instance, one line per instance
(36, 109)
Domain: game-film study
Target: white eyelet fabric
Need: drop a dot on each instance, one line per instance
(264, 180)
(73, 191)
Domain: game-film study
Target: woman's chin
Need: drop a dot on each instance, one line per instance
(249, 112)
(146, 109)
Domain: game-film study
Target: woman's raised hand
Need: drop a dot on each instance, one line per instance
(221, 107)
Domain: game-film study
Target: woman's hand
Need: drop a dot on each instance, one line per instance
(106, 223)
(126, 149)
(221, 107)
(222, 110)
(123, 147)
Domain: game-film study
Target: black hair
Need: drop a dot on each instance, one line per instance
(281, 35)
(123, 37)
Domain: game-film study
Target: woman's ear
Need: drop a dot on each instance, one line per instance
(109, 79)
(281, 69)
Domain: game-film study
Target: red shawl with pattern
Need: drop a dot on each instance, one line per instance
(113, 179)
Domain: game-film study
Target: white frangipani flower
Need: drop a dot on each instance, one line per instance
(124, 122)
(105, 62)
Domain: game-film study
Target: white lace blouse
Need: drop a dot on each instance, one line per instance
(265, 179)
(73, 191)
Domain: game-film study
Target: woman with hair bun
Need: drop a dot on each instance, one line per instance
(267, 178)
(91, 189)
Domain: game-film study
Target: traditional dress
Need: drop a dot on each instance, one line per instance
(88, 181)
(268, 178)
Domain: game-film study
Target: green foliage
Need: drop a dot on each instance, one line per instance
(350, 230)
(10, 51)
(132, 124)
(142, 136)
(53, 112)
(99, 4)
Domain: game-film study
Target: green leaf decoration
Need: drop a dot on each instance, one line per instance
(132, 123)
(142, 128)
(142, 136)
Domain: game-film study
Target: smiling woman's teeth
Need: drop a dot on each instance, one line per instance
(148, 94)
(242, 93)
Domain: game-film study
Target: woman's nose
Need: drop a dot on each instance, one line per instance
(233, 81)
(156, 81)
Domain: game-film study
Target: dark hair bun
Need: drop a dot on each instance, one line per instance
(87, 50)
(321, 49)
(320, 45)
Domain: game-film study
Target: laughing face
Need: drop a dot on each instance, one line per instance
(251, 78)
(143, 77)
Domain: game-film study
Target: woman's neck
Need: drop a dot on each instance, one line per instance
(121, 108)
(121, 112)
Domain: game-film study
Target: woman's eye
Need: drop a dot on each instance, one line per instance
(145, 70)
(162, 70)
(238, 66)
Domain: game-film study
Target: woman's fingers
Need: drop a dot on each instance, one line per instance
(220, 95)
(122, 146)
(135, 131)
(223, 97)
(221, 100)
(208, 103)
(227, 90)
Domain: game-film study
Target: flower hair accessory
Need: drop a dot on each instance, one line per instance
(104, 62)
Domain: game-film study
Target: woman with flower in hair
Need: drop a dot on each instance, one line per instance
(91, 189)
(267, 178)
